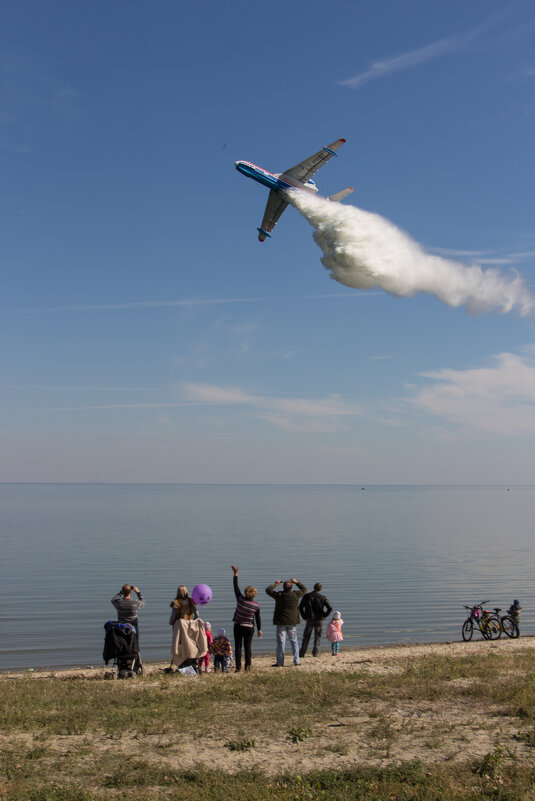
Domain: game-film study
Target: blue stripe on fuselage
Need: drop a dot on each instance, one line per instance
(262, 176)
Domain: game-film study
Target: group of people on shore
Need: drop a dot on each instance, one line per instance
(290, 606)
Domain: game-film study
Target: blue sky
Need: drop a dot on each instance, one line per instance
(148, 335)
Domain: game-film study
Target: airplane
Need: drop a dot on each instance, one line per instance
(298, 177)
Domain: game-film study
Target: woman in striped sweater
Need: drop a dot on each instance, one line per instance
(246, 614)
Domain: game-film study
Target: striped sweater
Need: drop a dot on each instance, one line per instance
(246, 611)
(127, 607)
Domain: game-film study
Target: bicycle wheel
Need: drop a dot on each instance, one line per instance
(494, 628)
(509, 627)
(467, 630)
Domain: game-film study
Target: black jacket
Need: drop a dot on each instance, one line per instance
(314, 606)
(119, 644)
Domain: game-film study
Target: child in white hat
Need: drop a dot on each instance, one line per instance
(334, 633)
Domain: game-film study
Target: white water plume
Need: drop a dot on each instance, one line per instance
(364, 251)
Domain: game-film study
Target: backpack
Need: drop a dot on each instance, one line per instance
(310, 607)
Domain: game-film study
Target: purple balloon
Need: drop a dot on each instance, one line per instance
(201, 594)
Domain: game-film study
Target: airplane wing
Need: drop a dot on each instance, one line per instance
(307, 168)
(274, 207)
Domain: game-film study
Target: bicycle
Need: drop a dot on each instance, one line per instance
(508, 624)
(488, 624)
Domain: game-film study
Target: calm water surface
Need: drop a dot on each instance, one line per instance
(398, 562)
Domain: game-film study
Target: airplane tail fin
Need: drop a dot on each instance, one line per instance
(338, 196)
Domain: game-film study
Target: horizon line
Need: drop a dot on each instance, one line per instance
(363, 485)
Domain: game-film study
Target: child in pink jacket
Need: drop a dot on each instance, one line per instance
(334, 633)
(204, 662)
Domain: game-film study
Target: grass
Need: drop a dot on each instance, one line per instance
(300, 733)
(382, 729)
(75, 706)
(409, 781)
(95, 740)
(527, 737)
(60, 707)
(240, 744)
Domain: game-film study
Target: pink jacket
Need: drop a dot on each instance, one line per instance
(334, 630)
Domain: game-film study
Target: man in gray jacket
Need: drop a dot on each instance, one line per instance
(286, 616)
(127, 606)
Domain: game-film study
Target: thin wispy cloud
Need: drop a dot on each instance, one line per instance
(312, 415)
(485, 256)
(144, 304)
(293, 414)
(503, 260)
(101, 406)
(210, 393)
(499, 398)
(459, 253)
(421, 55)
(190, 303)
(82, 388)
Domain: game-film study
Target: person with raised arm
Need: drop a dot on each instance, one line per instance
(246, 614)
(127, 607)
(286, 617)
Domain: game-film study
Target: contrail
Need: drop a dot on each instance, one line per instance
(364, 251)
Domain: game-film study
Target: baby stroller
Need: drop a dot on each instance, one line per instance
(120, 644)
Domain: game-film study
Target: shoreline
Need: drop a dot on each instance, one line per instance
(348, 658)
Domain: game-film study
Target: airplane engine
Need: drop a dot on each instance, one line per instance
(310, 184)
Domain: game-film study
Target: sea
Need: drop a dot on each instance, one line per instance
(398, 562)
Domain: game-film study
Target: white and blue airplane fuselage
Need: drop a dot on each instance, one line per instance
(279, 184)
(272, 180)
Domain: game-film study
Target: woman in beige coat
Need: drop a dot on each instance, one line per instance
(182, 608)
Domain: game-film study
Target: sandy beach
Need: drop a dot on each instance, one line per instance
(360, 725)
(375, 659)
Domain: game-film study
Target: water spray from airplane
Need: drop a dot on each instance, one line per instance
(363, 250)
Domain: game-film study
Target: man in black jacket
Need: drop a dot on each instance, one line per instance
(286, 616)
(314, 608)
